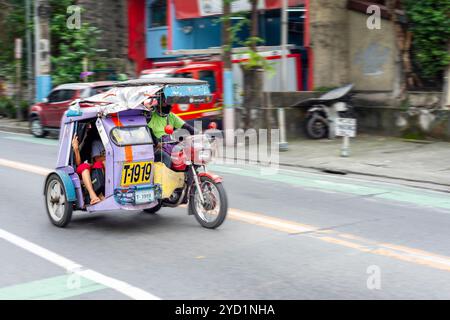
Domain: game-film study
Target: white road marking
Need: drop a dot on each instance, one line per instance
(24, 167)
(73, 267)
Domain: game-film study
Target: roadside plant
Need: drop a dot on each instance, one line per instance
(429, 22)
(70, 46)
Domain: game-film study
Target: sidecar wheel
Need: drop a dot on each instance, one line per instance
(155, 209)
(213, 212)
(59, 210)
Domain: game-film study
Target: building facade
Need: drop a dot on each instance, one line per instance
(156, 26)
(332, 36)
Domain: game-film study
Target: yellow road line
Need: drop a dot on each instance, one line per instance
(346, 240)
(198, 111)
(270, 222)
(327, 235)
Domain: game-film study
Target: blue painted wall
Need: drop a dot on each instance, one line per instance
(43, 87)
(196, 33)
(156, 38)
(155, 42)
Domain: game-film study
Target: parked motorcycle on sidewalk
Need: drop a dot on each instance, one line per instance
(322, 111)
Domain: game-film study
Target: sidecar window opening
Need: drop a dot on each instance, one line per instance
(86, 136)
(131, 136)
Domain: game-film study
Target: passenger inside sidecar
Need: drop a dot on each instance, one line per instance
(88, 162)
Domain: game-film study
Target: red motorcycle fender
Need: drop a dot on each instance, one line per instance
(213, 177)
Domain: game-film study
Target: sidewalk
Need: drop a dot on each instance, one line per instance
(388, 157)
(375, 156)
(12, 125)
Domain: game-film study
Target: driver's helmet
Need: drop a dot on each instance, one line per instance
(163, 109)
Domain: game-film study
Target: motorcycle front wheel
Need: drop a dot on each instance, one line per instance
(212, 213)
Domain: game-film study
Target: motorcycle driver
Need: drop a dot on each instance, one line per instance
(161, 116)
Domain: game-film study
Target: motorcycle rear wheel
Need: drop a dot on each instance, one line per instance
(316, 127)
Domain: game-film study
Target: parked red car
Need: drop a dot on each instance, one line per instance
(46, 116)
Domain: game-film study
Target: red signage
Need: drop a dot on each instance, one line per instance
(188, 9)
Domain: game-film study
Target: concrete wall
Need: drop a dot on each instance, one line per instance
(330, 42)
(345, 50)
(371, 54)
(423, 118)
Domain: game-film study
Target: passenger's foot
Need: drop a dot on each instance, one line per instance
(95, 200)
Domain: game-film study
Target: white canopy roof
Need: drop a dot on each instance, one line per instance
(123, 98)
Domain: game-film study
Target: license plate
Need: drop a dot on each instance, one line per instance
(136, 173)
(144, 196)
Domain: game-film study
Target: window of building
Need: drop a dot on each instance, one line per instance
(158, 13)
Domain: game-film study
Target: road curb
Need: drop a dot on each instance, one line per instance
(14, 129)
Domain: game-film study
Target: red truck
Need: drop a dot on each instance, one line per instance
(210, 71)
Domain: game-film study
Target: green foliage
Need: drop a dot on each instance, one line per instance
(241, 21)
(70, 46)
(6, 107)
(430, 25)
(12, 25)
(324, 89)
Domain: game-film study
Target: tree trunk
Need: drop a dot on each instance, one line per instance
(253, 97)
(226, 35)
(253, 80)
(407, 78)
(446, 91)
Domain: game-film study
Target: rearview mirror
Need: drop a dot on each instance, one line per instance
(45, 100)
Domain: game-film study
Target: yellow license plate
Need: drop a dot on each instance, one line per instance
(136, 173)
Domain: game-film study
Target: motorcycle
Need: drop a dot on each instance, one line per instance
(188, 181)
(321, 112)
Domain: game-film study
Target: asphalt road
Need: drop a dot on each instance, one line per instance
(290, 235)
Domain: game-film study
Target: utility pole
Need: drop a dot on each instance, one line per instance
(228, 107)
(42, 49)
(284, 40)
(29, 52)
(18, 57)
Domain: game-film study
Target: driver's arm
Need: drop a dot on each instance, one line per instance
(188, 128)
(155, 140)
(178, 123)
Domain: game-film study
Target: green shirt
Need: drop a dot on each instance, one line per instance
(158, 123)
